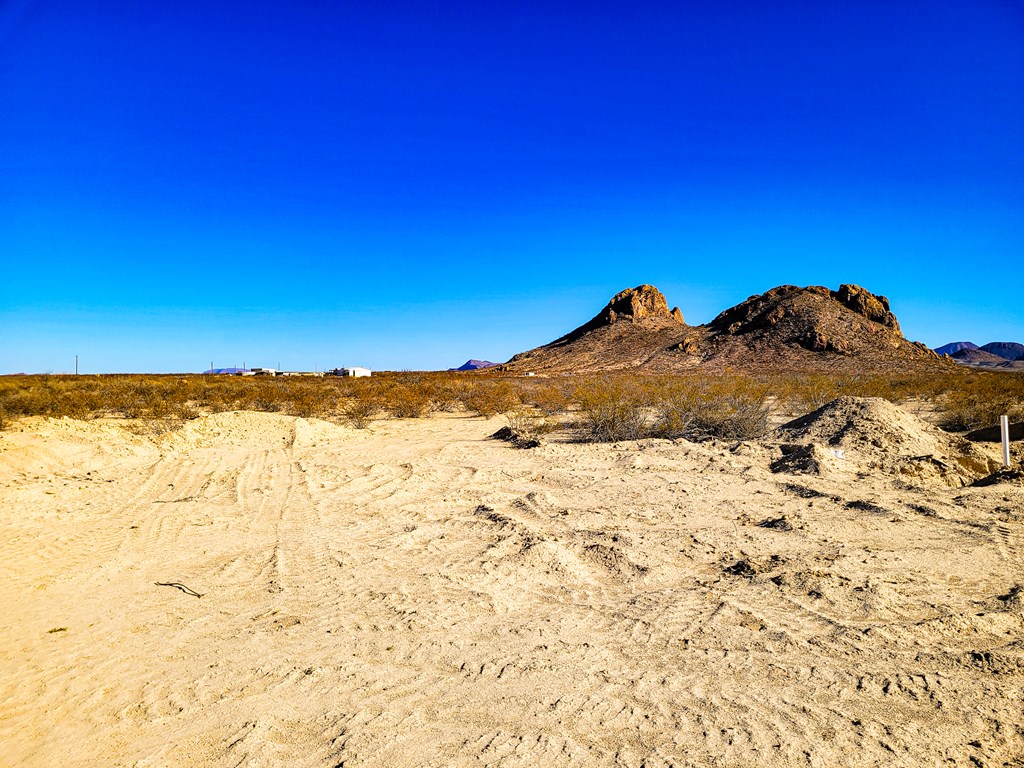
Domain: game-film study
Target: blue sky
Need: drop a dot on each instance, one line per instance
(407, 185)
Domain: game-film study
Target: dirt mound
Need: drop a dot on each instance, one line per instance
(245, 428)
(871, 434)
(44, 445)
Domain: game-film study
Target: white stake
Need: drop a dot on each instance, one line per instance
(1004, 431)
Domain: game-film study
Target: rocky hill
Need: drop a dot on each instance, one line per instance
(1008, 350)
(977, 357)
(955, 346)
(474, 365)
(788, 328)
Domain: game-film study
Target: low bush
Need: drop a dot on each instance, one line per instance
(408, 400)
(361, 411)
(963, 411)
(550, 397)
(488, 398)
(613, 409)
(697, 409)
(529, 424)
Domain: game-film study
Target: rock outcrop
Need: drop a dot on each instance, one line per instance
(644, 304)
(874, 308)
(637, 303)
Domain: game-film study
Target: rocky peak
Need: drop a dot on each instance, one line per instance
(638, 303)
(874, 308)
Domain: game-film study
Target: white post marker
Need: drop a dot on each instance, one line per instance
(1004, 431)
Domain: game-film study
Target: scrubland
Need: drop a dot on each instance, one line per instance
(598, 408)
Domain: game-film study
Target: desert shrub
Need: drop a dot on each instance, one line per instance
(808, 395)
(130, 398)
(269, 396)
(360, 411)
(873, 386)
(529, 424)
(966, 410)
(185, 411)
(488, 398)
(550, 397)
(408, 399)
(612, 409)
(731, 409)
(313, 401)
(446, 393)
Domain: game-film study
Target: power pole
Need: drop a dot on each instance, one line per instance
(76, 365)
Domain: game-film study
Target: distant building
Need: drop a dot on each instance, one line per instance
(355, 372)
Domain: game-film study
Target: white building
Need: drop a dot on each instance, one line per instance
(356, 372)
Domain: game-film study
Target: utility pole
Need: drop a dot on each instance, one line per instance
(76, 365)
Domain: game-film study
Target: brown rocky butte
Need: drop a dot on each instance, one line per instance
(788, 328)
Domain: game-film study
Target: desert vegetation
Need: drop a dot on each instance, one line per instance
(592, 408)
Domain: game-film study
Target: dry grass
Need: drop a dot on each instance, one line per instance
(620, 407)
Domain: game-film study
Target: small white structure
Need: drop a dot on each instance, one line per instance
(355, 372)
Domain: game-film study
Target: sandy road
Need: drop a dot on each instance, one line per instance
(419, 595)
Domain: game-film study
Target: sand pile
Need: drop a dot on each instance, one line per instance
(870, 434)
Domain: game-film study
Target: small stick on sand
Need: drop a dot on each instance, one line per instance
(177, 585)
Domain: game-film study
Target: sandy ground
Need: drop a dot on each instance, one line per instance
(416, 594)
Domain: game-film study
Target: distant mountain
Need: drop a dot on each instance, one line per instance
(969, 356)
(955, 346)
(474, 365)
(788, 328)
(1008, 350)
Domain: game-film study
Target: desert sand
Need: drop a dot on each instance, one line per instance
(417, 594)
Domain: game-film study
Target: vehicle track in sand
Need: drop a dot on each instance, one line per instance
(419, 595)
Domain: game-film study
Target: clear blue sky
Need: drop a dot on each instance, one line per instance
(407, 185)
